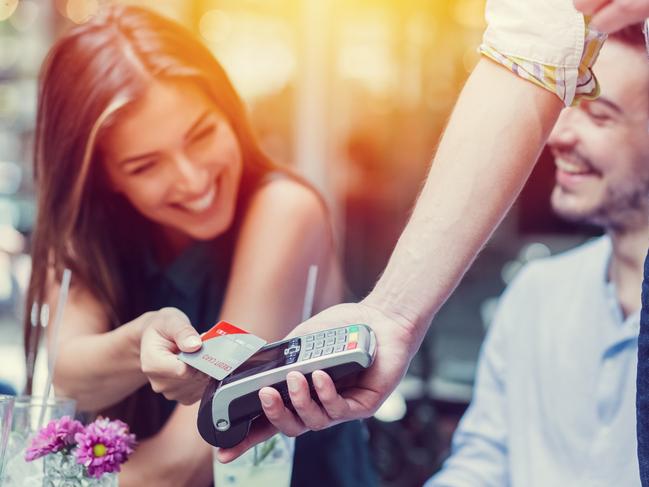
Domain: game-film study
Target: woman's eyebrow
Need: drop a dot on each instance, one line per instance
(197, 124)
(188, 135)
(128, 160)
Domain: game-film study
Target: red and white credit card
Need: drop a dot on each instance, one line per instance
(225, 347)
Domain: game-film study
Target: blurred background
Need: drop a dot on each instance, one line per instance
(354, 94)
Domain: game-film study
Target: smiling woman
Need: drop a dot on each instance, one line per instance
(154, 191)
(184, 175)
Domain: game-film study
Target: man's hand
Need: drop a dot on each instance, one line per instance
(612, 15)
(167, 332)
(396, 344)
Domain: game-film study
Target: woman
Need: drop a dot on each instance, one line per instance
(154, 192)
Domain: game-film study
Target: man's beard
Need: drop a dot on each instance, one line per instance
(624, 206)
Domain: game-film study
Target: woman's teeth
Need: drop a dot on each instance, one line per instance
(202, 203)
(571, 167)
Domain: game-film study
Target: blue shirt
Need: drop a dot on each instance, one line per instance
(554, 401)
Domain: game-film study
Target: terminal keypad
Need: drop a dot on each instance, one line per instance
(331, 341)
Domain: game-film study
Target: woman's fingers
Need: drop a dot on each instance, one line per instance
(175, 326)
(166, 332)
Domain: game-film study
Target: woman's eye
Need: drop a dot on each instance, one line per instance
(142, 168)
(203, 133)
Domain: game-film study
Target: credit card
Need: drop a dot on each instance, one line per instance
(225, 347)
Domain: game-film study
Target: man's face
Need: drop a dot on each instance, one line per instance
(601, 147)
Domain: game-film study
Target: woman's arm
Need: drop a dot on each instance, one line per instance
(175, 457)
(95, 365)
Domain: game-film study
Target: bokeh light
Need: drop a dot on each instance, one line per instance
(255, 51)
(79, 11)
(7, 8)
(25, 16)
(215, 26)
(470, 13)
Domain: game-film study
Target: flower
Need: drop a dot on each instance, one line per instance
(103, 446)
(57, 435)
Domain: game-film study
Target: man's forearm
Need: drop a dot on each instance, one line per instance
(495, 135)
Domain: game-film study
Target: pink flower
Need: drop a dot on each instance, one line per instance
(57, 435)
(103, 446)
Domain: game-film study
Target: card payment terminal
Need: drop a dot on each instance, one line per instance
(229, 406)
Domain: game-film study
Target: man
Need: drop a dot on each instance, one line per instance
(554, 403)
(472, 183)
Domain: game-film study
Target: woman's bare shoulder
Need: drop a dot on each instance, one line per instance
(286, 197)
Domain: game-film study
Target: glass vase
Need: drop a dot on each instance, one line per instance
(62, 470)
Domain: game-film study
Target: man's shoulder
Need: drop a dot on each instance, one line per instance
(581, 262)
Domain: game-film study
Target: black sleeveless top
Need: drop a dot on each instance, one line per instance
(195, 283)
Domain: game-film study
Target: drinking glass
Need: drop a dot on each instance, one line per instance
(26, 416)
(269, 463)
(6, 410)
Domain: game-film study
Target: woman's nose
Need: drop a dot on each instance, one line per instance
(191, 176)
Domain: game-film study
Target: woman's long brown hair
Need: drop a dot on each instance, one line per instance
(91, 76)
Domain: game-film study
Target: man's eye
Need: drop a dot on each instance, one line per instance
(599, 117)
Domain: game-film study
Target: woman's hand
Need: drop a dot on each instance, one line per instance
(612, 15)
(167, 332)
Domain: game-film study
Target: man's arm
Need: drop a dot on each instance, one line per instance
(495, 135)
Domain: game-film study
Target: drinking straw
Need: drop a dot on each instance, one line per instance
(56, 325)
(31, 345)
(307, 308)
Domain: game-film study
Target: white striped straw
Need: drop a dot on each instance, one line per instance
(309, 295)
(54, 333)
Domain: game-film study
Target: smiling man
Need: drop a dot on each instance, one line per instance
(554, 402)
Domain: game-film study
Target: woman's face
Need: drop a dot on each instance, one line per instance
(175, 157)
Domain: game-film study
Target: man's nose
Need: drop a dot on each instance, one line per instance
(566, 130)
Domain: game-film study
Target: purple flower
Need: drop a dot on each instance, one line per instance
(57, 435)
(103, 446)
